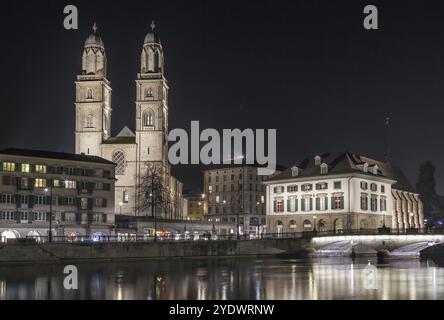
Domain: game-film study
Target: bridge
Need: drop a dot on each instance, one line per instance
(370, 243)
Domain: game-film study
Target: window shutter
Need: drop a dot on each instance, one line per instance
(1, 166)
(90, 217)
(103, 217)
(62, 216)
(318, 203)
(17, 167)
(342, 202)
(30, 217)
(295, 204)
(79, 203)
(288, 205)
(17, 216)
(303, 204)
(104, 203)
(326, 203)
(31, 182)
(274, 206)
(311, 204)
(78, 217)
(32, 167)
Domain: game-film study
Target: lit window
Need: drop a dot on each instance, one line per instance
(125, 197)
(262, 199)
(8, 166)
(279, 205)
(40, 168)
(217, 199)
(292, 188)
(294, 171)
(321, 186)
(40, 183)
(307, 187)
(84, 203)
(324, 168)
(25, 167)
(70, 184)
(338, 202)
(119, 159)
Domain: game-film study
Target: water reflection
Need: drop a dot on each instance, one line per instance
(222, 279)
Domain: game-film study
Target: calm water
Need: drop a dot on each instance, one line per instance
(245, 278)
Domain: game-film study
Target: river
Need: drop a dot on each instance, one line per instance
(229, 278)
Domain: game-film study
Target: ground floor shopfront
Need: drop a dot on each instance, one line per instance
(326, 222)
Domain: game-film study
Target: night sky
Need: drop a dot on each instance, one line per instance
(306, 68)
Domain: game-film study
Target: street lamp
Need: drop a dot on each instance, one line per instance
(50, 210)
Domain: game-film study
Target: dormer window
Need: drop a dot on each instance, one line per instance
(294, 171)
(375, 169)
(365, 167)
(324, 168)
(317, 160)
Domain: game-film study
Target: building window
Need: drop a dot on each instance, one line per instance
(40, 168)
(148, 93)
(119, 159)
(7, 198)
(7, 215)
(324, 168)
(279, 205)
(210, 189)
(217, 199)
(89, 94)
(25, 167)
(364, 185)
(337, 203)
(89, 121)
(292, 204)
(337, 185)
(148, 119)
(125, 197)
(40, 183)
(307, 204)
(321, 203)
(382, 188)
(307, 187)
(383, 204)
(278, 189)
(321, 186)
(373, 187)
(293, 188)
(374, 204)
(70, 184)
(84, 203)
(24, 183)
(99, 202)
(364, 202)
(294, 171)
(8, 166)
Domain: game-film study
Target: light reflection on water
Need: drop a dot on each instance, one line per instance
(221, 279)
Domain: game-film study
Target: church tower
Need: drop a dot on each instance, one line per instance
(152, 103)
(93, 98)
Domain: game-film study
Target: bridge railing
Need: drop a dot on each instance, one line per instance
(212, 237)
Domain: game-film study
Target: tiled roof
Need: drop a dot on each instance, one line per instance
(346, 162)
(54, 155)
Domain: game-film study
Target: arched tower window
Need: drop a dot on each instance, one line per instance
(89, 94)
(148, 119)
(119, 159)
(148, 93)
(89, 121)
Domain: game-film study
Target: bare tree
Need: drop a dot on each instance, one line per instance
(154, 193)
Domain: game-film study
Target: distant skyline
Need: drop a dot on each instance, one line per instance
(307, 69)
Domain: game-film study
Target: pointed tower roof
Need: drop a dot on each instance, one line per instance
(93, 39)
(126, 132)
(151, 37)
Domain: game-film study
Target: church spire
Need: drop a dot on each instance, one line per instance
(387, 143)
(94, 28)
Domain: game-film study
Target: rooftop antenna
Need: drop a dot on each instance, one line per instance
(387, 146)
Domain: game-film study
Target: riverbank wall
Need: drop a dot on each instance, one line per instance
(60, 252)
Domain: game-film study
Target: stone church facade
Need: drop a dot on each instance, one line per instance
(131, 150)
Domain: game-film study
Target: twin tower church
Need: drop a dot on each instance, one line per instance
(131, 150)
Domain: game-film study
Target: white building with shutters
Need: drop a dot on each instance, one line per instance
(131, 150)
(339, 191)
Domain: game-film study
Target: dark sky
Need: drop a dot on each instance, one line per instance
(306, 68)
